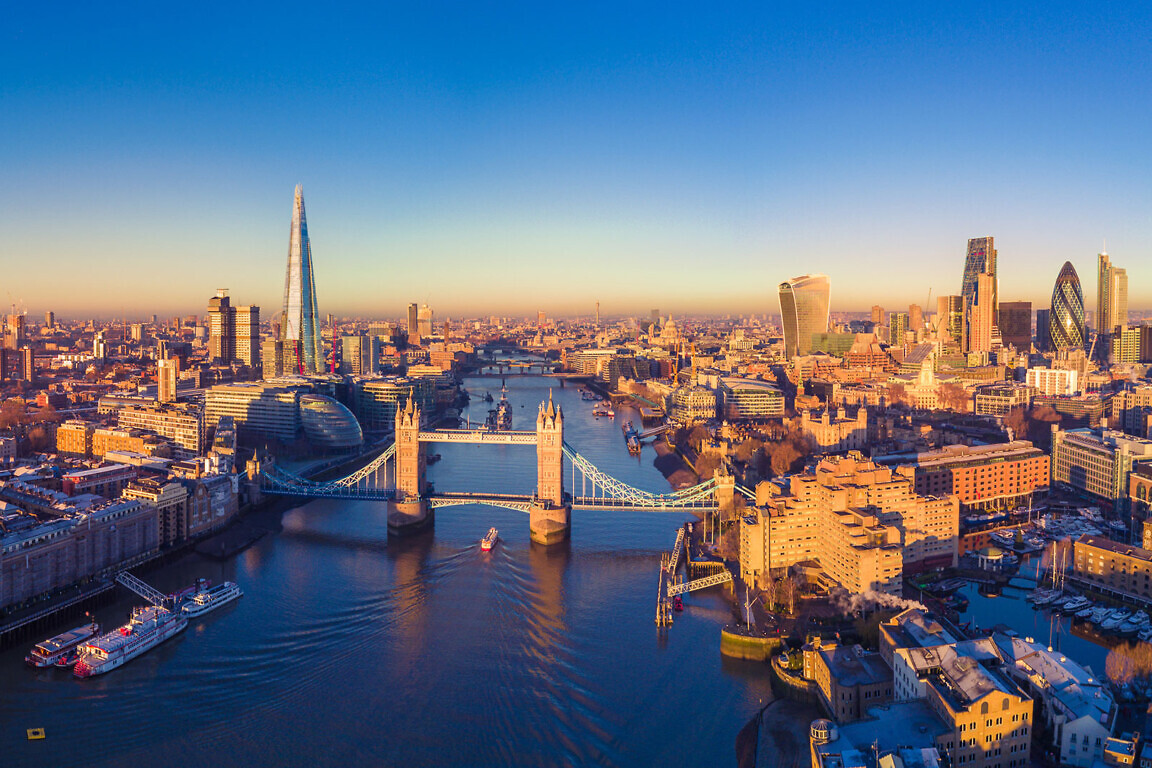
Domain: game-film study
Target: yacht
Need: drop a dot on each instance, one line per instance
(210, 598)
(1075, 604)
(1113, 622)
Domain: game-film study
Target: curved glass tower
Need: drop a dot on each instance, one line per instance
(803, 312)
(1066, 320)
(300, 323)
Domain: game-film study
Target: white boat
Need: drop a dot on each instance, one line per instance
(1084, 613)
(149, 626)
(1047, 597)
(1100, 614)
(61, 650)
(1075, 604)
(1113, 622)
(1146, 635)
(489, 540)
(1132, 625)
(210, 599)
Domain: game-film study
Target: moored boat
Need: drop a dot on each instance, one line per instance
(1075, 604)
(62, 647)
(489, 540)
(210, 598)
(148, 627)
(1113, 622)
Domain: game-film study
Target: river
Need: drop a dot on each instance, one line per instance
(350, 648)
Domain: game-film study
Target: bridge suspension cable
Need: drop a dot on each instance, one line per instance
(617, 489)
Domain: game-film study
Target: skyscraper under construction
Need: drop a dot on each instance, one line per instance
(300, 323)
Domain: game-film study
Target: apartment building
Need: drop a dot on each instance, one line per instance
(982, 478)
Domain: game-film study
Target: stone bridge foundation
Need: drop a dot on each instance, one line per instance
(409, 517)
(549, 523)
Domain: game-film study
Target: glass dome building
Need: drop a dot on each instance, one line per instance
(1066, 319)
(328, 424)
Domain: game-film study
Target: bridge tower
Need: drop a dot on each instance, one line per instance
(550, 515)
(408, 512)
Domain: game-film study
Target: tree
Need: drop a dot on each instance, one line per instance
(12, 413)
(898, 394)
(953, 397)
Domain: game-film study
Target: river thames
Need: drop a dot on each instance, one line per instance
(349, 648)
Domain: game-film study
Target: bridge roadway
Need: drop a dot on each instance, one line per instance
(507, 437)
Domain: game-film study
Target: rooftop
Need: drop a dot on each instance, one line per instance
(910, 726)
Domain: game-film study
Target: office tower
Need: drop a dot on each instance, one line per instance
(804, 305)
(247, 329)
(898, 328)
(950, 319)
(1043, 339)
(1066, 318)
(221, 328)
(413, 324)
(447, 329)
(137, 332)
(424, 322)
(300, 322)
(981, 259)
(49, 319)
(272, 358)
(99, 346)
(153, 319)
(1111, 296)
(1015, 322)
(167, 373)
(980, 314)
(877, 314)
(915, 318)
(597, 314)
(14, 332)
(360, 355)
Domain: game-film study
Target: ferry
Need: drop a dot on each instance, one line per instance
(149, 626)
(210, 598)
(489, 540)
(61, 650)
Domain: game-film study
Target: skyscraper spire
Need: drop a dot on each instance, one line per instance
(300, 323)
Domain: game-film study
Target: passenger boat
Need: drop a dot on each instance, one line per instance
(489, 540)
(61, 648)
(148, 627)
(210, 598)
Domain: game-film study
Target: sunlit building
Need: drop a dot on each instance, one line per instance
(1111, 296)
(980, 260)
(1066, 318)
(1098, 462)
(300, 323)
(804, 303)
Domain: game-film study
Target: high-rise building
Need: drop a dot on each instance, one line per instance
(424, 322)
(49, 319)
(981, 259)
(1015, 321)
(360, 355)
(300, 323)
(898, 328)
(877, 314)
(597, 314)
(979, 311)
(221, 328)
(14, 332)
(950, 319)
(1111, 296)
(804, 305)
(1066, 318)
(167, 374)
(413, 324)
(247, 328)
(1043, 339)
(272, 358)
(915, 318)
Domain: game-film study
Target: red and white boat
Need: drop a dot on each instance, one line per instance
(60, 651)
(149, 626)
(489, 540)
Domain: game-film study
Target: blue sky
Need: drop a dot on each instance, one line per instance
(506, 158)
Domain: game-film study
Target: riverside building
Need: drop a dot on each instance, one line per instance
(1098, 462)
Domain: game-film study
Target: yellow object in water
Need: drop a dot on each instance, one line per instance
(35, 733)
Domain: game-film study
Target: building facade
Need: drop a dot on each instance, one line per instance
(1098, 462)
(300, 321)
(804, 303)
(1066, 318)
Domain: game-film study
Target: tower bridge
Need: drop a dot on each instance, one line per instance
(411, 503)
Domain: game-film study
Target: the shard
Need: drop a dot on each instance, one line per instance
(300, 323)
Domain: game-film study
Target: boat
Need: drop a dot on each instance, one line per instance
(61, 648)
(489, 540)
(1133, 625)
(1084, 613)
(587, 394)
(1075, 605)
(602, 409)
(678, 603)
(1100, 614)
(1113, 622)
(210, 598)
(148, 627)
(1145, 635)
(1048, 596)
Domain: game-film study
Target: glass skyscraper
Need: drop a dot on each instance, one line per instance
(1066, 319)
(981, 259)
(804, 311)
(300, 323)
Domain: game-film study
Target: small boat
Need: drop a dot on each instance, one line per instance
(1132, 626)
(1048, 596)
(53, 651)
(1084, 613)
(1075, 604)
(489, 540)
(1100, 614)
(210, 598)
(1145, 635)
(678, 603)
(1113, 622)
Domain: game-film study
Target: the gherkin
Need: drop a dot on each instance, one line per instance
(1066, 320)
(300, 323)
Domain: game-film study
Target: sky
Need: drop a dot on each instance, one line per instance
(502, 158)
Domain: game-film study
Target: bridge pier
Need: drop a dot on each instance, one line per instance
(409, 517)
(548, 523)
